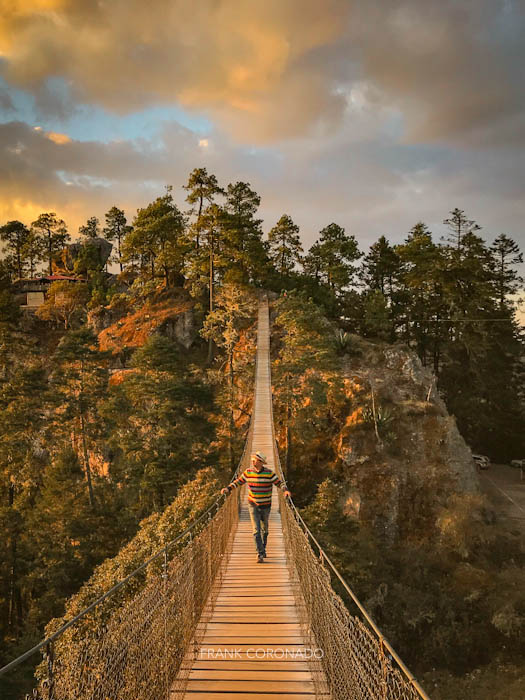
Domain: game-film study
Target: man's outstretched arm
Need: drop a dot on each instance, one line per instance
(280, 483)
(234, 484)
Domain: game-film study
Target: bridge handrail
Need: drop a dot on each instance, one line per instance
(161, 553)
(382, 639)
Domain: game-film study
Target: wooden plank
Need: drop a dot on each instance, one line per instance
(233, 685)
(259, 665)
(199, 674)
(199, 695)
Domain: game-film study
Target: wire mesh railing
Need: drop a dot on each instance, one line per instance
(136, 649)
(137, 640)
(357, 661)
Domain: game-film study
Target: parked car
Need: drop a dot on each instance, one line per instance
(482, 461)
(518, 463)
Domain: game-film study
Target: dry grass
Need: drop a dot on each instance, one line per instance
(133, 330)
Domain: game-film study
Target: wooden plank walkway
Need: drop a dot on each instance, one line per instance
(252, 643)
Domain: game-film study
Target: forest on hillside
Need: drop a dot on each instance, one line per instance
(111, 406)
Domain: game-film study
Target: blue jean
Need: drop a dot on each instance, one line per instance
(259, 516)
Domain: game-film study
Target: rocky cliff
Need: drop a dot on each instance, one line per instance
(401, 452)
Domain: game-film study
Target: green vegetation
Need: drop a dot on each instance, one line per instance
(442, 580)
(127, 389)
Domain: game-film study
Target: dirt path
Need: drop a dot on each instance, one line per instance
(506, 490)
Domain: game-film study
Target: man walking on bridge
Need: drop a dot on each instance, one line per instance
(260, 479)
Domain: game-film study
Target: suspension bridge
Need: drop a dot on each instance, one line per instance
(208, 623)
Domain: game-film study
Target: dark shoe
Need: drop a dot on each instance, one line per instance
(264, 553)
(260, 559)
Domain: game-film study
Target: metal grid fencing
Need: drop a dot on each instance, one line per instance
(139, 648)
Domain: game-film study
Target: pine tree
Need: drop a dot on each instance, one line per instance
(306, 354)
(22, 411)
(381, 267)
(234, 305)
(80, 382)
(312, 262)
(33, 251)
(53, 233)
(156, 239)
(459, 226)
(421, 305)
(337, 252)
(506, 255)
(205, 237)
(15, 235)
(160, 431)
(91, 229)
(203, 190)
(285, 246)
(117, 229)
(245, 254)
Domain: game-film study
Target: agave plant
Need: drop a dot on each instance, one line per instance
(381, 419)
(342, 341)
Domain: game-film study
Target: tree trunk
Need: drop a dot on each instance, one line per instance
(119, 253)
(210, 341)
(49, 251)
(86, 461)
(232, 423)
(197, 241)
(12, 585)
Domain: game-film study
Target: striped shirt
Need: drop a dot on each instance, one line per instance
(259, 484)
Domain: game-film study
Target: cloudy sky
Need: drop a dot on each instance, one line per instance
(371, 114)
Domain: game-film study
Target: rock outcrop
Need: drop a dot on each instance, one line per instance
(401, 451)
(74, 256)
(170, 313)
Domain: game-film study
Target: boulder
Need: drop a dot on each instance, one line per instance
(96, 250)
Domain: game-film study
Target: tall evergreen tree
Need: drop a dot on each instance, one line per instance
(53, 233)
(285, 246)
(421, 305)
(160, 429)
(235, 305)
(156, 239)
(15, 235)
(91, 229)
(246, 258)
(506, 255)
(203, 189)
(117, 229)
(459, 226)
(381, 267)
(313, 261)
(33, 251)
(80, 382)
(306, 353)
(336, 252)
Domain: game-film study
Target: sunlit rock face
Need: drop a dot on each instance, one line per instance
(401, 453)
(75, 256)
